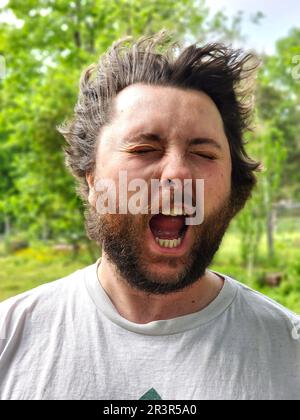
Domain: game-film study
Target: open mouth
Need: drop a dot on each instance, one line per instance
(168, 230)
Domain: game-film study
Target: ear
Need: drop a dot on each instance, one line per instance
(90, 179)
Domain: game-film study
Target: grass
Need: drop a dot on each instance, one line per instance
(28, 268)
(287, 262)
(36, 265)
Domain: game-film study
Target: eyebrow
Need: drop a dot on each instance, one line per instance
(144, 137)
(157, 138)
(201, 141)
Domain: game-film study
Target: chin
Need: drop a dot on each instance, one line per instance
(162, 272)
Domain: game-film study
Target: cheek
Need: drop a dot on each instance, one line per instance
(217, 188)
(110, 163)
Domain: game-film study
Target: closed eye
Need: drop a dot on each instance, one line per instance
(143, 151)
(204, 155)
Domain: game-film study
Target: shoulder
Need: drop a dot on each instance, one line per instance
(267, 314)
(45, 291)
(45, 301)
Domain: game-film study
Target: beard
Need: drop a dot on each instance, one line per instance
(122, 239)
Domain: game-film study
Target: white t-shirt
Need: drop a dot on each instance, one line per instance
(65, 340)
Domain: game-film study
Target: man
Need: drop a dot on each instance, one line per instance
(149, 320)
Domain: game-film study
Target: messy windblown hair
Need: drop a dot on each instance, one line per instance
(224, 74)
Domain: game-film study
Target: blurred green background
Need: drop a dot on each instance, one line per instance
(45, 46)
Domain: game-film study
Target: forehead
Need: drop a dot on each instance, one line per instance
(167, 110)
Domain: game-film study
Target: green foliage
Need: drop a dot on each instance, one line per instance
(279, 103)
(269, 148)
(276, 143)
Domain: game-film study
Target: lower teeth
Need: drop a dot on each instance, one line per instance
(168, 243)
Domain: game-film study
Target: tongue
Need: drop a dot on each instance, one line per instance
(166, 227)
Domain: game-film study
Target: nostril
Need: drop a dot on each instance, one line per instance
(167, 181)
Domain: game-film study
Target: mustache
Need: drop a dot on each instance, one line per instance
(144, 197)
(160, 203)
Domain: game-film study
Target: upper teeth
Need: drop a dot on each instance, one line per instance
(174, 212)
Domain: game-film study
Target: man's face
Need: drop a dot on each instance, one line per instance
(164, 133)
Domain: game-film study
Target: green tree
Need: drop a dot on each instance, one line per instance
(268, 147)
(279, 102)
(276, 142)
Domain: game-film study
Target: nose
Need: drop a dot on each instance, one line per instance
(174, 166)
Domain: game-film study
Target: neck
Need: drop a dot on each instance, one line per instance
(141, 308)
